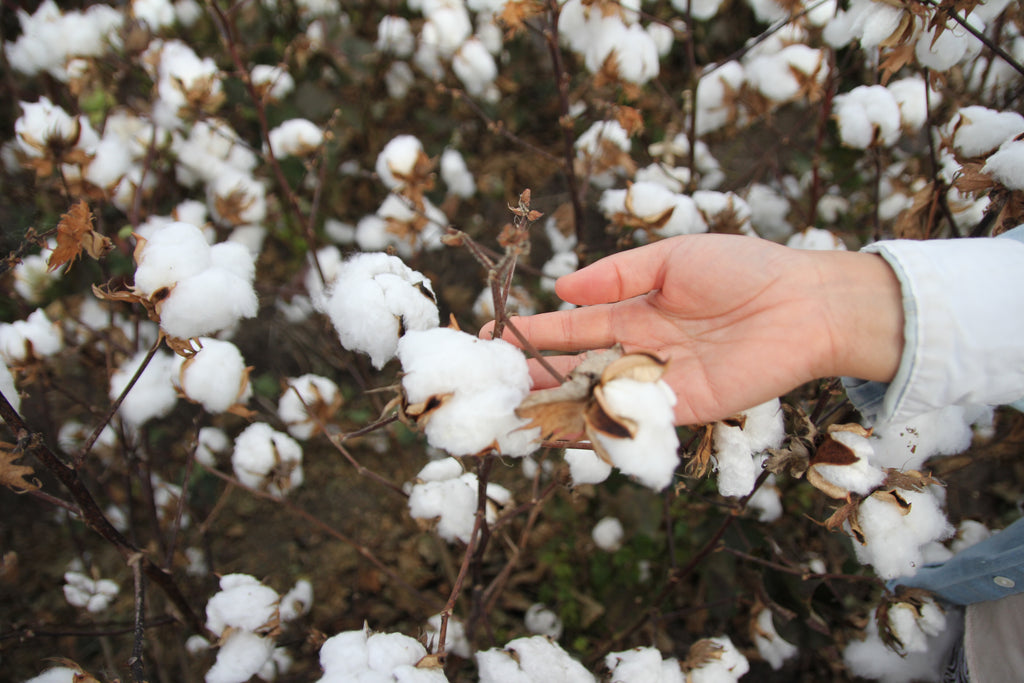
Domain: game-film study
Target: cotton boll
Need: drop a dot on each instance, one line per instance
(941, 432)
(585, 467)
(455, 636)
(306, 399)
(767, 501)
(475, 67)
(172, 252)
(240, 657)
(526, 660)
(216, 377)
(33, 277)
(816, 239)
(781, 76)
(1007, 165)
(912, 625)
(32, 338)
(57, 674)
(157, 14)
(729, 666)
(94, 595)
(872, 658)
(237, 198)
(913, 97)
(771, 646)
(866, 115)
(542, 621)
(344, 654)
(267, 459)
(374, 300)
(976, 131)
(397, 161)
(608, 534)
(211, 441)
(394, 36)
(954, 44)
(234, 257)
(209, 302)
(386, 651)
(452, 502)
(724, 211)
(769, 211)
(701, 10)
(456, 176)
(860, 476)
(734, 462)
(153, 394)
(43, 124)
(715, 94)
(295, 137)
(399, 79)
(651, 454)
(243, 603)
(643, 664)
(274, 81)
(894, 536)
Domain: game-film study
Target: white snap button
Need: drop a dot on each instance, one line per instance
(1003, 582)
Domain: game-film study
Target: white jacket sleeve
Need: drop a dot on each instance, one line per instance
(963, 303)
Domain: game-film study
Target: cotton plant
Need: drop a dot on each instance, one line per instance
(266, 459)
(308, 402)
(374, 300)
(446, 496)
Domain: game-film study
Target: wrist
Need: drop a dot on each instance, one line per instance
(861, 313)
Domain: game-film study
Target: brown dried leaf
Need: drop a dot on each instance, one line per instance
(18, 478)
(971, 180)
(792, 460)
(702, 652)
(515, 14)
(630, 118)
(847, 514)
(75, 234)
(895, 59)
(909, 480)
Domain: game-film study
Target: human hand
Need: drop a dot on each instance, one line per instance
(740, 320)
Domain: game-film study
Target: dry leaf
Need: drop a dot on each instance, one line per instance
(910, 480)
(700, 463)
(847, 514)
(75, 234)
(18, 478)
(702, 652)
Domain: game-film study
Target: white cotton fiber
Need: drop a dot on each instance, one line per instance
(608, 534)
(651, 455)
(171, 253)
(586, 467)
(894, 536)
(216, 377)
(152, 395)
(530, 660)
(242, 603)
(266, 459)
(241, 656)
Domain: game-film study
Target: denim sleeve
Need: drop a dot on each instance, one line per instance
(962, 365)
(988, 570)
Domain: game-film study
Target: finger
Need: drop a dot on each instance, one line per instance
(619, 276)
(542, 378)
(579, 329)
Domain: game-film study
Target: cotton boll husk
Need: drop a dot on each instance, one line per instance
(216, 377)
(585, 467)
(941, 432)
(208, 302)
(772, 647)
(152, 395)
(456, 176)
(242, 603)
(535, 659)
(728, 667)
(893, 539)
(241, 656)
(608, 534)
(307, 390)
(259, 451)
(650, 456)
(173, 252)
(643, 664)
(295, 137)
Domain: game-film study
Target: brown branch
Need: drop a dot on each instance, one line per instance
(93, 516)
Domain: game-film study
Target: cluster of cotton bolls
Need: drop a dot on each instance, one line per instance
(246, 614)
(93, 595)
(612, 41)
(447, 496)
